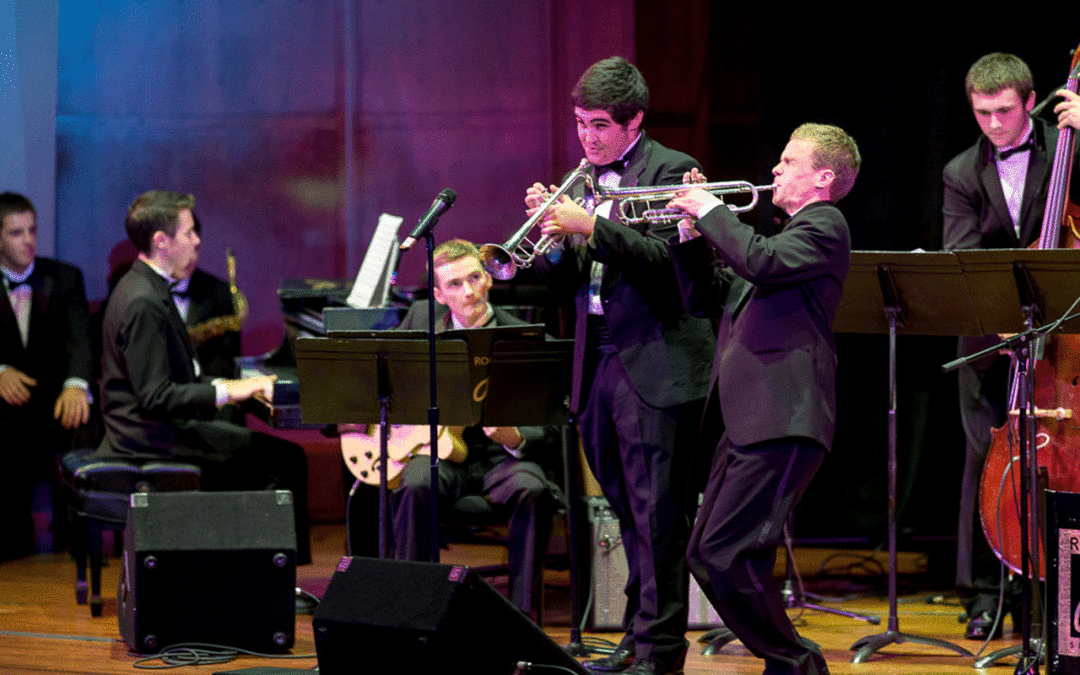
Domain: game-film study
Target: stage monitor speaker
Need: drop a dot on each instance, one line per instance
(1063, 582)
(213, 567)
(394, 616)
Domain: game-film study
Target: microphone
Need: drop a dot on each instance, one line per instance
(440, 206)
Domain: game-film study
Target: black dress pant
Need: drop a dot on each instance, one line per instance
(750, 493)
(640, 456)
(518, 487)
(983, 387)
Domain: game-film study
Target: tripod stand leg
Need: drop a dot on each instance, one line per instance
(795, 595)
(1025, 665)
(872, 643)
(715, 640)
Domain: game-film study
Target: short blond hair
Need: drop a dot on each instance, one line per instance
(833, 149)
(454, 249)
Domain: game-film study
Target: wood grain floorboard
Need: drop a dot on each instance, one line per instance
(42, 630)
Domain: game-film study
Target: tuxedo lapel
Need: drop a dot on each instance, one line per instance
(991, 183)
(740, 293)
(176, 324)
(42, 290)
(9, 329)
(1030, 213)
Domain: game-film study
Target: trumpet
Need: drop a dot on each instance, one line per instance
(630, 197)
(502, 262)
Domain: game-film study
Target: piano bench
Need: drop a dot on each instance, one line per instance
(99, 492)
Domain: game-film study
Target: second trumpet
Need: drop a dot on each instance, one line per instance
(631, 197)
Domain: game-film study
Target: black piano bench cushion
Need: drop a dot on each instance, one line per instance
(101, 488)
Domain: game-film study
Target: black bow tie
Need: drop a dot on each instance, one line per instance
(11, 284)
(174, 288)
(617, 166)
(1023, 147)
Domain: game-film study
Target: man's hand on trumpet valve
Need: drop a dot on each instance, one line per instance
(693, 176)
(687, 231)
(535, 196)
(694, 201)
(567, 217)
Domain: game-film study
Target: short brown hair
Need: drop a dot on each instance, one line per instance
(155, 211)
(615, 86)
(833, 149)
(995, 72)
(12, 203)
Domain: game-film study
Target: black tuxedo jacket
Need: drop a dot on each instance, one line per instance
(153, 403)
(58, 344)
(774, 374)
(974, 208)
(663, 348)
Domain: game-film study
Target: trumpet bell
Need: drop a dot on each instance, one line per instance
(498, 262)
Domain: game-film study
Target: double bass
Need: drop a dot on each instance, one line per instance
(1056, 394)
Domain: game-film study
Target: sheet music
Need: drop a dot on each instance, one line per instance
(375, 261)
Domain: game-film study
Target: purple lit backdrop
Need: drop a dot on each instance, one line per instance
(245, 105)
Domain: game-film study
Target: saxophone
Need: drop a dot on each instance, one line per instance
(219, 325)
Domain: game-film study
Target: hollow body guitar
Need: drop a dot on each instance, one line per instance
(361, 450)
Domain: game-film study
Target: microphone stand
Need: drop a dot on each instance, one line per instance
(1030, 651)
(433, 409)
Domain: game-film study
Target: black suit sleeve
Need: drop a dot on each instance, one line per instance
(702, 286)
(792, 256)
(634, 252)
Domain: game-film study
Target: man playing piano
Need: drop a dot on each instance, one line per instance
(155, 401)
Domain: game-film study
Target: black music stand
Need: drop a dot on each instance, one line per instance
(546, 367)
(490, 363)
(383, 379)
(1015, 290)
(924, 294)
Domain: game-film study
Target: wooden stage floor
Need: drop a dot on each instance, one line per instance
(42, 630)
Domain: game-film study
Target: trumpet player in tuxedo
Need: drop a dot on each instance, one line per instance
(639, 371)
(771, 407)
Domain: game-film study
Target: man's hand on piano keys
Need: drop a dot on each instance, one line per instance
(260, 387)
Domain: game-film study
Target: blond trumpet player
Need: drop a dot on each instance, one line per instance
(640, 361)
(771, 409)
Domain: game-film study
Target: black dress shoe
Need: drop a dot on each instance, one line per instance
(616, 662)
(645, 667)
(979, 626)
